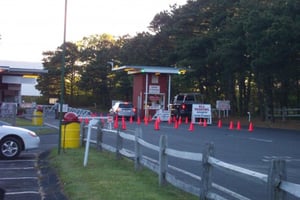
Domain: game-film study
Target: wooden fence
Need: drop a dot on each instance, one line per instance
(275, 180)
(283, 113)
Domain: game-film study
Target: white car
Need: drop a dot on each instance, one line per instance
(123, 109)
(13, 140)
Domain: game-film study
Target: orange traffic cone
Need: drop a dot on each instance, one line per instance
(170, 120)
(175, 124)
(138, 120)
(191, 128)
(145, 120)
(123, 123)
(130, 120)
(179, 120)
(204, 123)
(231, 125)
(220, 123)
(158, 119)
(186, 120)
(116, 123)
(156, 125)
(102, 119)
(250, 127)
(200, 122)
(238, 125)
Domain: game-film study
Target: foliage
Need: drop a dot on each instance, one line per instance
(247, 52)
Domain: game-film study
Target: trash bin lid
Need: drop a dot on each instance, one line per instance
(39, 108)
(71, 117)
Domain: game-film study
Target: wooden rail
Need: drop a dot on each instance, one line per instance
(275, 180)
(284, 113)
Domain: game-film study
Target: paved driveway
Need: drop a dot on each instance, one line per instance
(29, 176)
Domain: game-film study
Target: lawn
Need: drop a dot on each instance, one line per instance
(26, 123)
(105, 177)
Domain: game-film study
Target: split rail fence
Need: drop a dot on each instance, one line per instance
(284, 113)
(276, 182)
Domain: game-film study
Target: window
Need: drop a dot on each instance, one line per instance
(154, 79)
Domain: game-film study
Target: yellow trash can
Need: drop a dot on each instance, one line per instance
(70, 131)
(37, 118)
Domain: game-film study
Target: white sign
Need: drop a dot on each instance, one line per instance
(154, 89)
(163, 115)
(223, 105)
(201, 111)
(65, 108)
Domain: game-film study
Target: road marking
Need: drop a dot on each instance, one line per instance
(17, 168)
(286, 158)
(24, 192)
(261, 140)
(23, 178)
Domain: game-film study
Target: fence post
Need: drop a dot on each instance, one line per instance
(206, 177)
(82, 133)
(99, 136)
(163, 162)
(284, 113)
(277, 172)
(137, 147)
(119, 145)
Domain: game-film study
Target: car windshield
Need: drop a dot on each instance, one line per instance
(128, 105)
(189, 98)
(180, 97)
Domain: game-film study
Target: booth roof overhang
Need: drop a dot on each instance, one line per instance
(6, 70)
(149, 69)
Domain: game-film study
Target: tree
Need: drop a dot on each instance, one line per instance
(97, 76)
(49, 84)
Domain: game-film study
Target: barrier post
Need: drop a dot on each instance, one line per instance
(82, 133)
(206, 177)
(119, 145)
(92, 123)
(99, 137)
(137, 147)
(277, 173)
(163, 161)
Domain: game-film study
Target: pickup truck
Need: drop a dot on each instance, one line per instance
(183, 104)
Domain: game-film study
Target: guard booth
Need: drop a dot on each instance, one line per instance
(151, 87)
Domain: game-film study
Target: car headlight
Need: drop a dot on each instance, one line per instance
(33, 134)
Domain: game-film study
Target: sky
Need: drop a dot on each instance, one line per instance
(30, 27)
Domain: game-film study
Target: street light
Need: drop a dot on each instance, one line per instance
(62, 80)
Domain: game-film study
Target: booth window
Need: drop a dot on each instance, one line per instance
(154, 79)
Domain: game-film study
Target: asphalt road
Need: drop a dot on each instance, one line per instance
(251, 150)
(30, 177)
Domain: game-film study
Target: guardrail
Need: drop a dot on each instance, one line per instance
(275, 180)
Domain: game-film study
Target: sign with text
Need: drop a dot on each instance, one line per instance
(223, 105)
(201, 112)
(154, 89)
(163, 115)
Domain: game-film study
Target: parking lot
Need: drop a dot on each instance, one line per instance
(30, 176)
(20, 178)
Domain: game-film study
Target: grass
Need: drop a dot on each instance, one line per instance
(26, 123)
(104, 177)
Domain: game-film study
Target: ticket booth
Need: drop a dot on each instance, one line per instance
(151, 87)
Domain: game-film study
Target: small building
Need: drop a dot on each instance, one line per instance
(11, 79)
(151, 87)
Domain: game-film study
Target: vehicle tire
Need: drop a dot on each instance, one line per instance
(10, 148)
